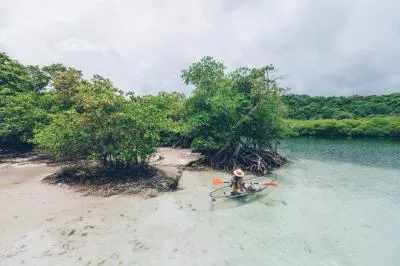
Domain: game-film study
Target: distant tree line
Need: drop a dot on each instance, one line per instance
(304, 107)
(376, 126)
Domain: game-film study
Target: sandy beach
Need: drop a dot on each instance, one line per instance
(314, 217)
(51, 225)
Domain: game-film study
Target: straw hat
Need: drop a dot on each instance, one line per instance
(238, 172)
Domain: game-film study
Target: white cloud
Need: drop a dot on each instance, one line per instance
(324, 47)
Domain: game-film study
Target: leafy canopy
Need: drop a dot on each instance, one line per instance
(228, 108)
(103, 125)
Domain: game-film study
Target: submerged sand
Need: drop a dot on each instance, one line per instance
(42, 224)
(323, 213)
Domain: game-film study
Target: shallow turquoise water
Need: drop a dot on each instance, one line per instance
(342, 202)
(338, 203)
(369, 152)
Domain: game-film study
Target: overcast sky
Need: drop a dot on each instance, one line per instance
(339, 47)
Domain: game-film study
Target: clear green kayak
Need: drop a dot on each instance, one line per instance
(253, 185)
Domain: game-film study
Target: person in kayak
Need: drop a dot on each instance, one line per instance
(239, 186)
(237, 182)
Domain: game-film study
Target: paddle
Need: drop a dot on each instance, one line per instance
(217, 181)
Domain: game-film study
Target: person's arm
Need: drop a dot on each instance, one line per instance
(243, 185)
(232, 181)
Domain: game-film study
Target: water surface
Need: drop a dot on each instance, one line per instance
(338, 204)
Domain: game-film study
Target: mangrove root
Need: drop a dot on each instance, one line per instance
(247, 158)
(108, 183)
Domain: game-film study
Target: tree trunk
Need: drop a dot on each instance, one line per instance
(237, 150)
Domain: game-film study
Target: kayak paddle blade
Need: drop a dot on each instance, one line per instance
(217, 181)
(271, 184)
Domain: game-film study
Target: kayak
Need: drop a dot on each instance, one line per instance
(226, 191)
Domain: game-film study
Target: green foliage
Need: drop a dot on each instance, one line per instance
(308, 107)
(19, 115)
(344, 116)
(103, 125)
(78, 120)
(24, 104)
(172, 107)
(16, 78)
(205, 74)
(65, 85)
(13, 76)
(63, 138)
(39, 79)
(226, 109)
(382, 126)
(51, 70)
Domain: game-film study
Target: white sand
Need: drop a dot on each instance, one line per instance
(42, 224)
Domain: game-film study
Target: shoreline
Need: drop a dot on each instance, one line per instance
(163, 174)
(51, 225)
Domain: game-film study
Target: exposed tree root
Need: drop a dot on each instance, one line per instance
(246, 158)
(107, 183)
